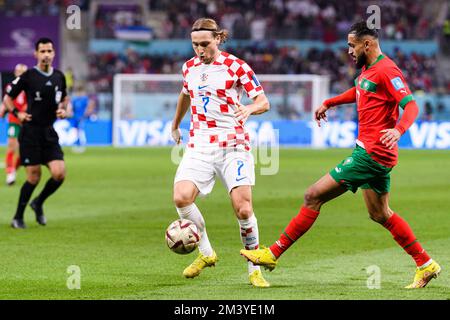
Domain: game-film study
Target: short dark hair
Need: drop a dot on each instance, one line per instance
(43, 41)
(360, 29)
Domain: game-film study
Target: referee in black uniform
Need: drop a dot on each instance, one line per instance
(45, 88)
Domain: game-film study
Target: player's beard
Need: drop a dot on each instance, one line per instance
(361, 60)
(206, 59)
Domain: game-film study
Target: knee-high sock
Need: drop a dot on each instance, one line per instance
(25, 194)
(9, 162)
(250, 237)
(193, 214)
(50, 187)
(405, 237)
(295, 229)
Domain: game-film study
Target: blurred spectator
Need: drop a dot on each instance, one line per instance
(428, 112)
(39, 7)
(446, 35)
(69, 80)
(441, 113)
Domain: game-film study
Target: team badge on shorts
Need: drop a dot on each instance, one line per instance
(347, 161)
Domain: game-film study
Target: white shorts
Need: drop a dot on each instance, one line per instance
(235, 168)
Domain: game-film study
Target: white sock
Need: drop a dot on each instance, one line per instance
(193, 214)
(426, 264)
(250, 237)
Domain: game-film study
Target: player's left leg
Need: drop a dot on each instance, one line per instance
(58, 173)
(241, 199)
(236, 169)
(324, 190)
(11, 161)
(379, 211)
(80, 143)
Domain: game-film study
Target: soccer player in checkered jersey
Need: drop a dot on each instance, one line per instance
(219, 145)
(379, 91)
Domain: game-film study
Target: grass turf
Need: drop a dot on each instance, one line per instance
(110, 215)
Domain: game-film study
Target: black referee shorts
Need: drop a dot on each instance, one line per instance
(39, 145)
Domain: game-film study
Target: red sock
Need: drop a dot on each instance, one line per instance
(295, 229)
(405, 237)
(9, 161)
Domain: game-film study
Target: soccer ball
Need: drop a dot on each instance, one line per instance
(182, 236)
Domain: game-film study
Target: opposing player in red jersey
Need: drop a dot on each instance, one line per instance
(219, 144)
(379, 91)
(12, 159)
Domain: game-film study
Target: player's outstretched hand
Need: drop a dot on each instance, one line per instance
(23, 116)
(320, 113)
(176, 135)
(242, 113)
(390, 137)
(61, 113)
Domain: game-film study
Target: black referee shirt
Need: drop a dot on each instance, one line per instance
(44, 92)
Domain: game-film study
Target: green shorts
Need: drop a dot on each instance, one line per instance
(13, 130)
(361, 171)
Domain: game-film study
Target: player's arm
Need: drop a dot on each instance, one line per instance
(9, 104)
(395, 85)
(348, 96)
(3, 110)
(260, 105)
(62, 111)
(18, 85)
(183, 104)
(90, 110)
(69, 110)
(391, 136)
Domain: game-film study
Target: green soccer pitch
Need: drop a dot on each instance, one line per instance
(110, 215)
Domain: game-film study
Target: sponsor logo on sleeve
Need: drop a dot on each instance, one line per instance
(397, 83)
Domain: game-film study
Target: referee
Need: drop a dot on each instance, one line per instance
(45, 89)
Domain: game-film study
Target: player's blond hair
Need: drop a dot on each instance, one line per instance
(208, 24)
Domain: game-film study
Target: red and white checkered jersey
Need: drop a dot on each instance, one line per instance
(215, 90)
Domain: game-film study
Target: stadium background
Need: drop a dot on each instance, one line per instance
(274, 37)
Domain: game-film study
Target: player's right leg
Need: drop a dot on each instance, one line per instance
(324, 190)
(33, 176)
(184, 195)
(195, 176)
(11, 151)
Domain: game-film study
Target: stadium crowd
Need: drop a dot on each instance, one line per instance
(419, 69)
(326, 20)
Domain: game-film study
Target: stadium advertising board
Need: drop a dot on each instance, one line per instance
(421, 135)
